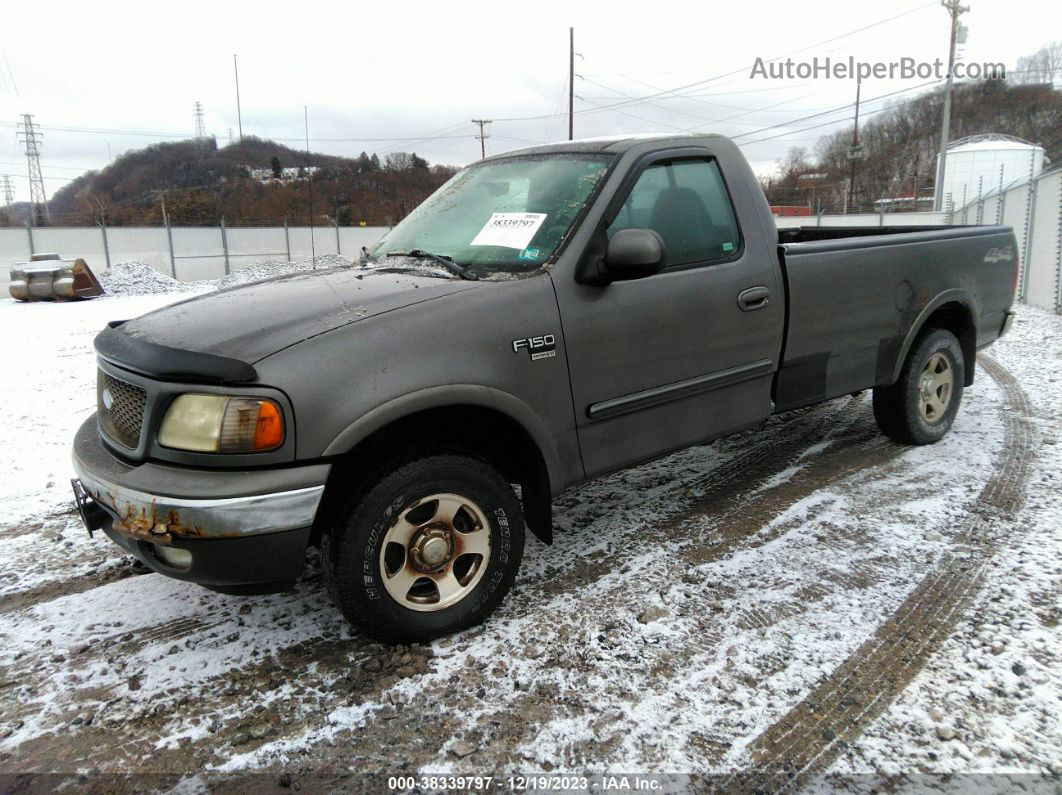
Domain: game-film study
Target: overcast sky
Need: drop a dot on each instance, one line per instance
(93, 73)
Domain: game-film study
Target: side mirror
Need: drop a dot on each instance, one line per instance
(634, 254)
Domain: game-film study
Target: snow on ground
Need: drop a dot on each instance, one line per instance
(687, 609)
(49, 389)
(991, 700)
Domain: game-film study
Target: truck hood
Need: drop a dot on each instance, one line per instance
(253, 321)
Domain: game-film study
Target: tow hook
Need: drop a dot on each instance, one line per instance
(92, 514)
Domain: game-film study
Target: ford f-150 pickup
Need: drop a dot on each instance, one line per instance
(547, 316)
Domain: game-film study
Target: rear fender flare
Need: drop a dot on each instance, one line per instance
(958, 296)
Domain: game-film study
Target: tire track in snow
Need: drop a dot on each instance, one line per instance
(726, 490)
(803, 743)
(739, 498)
(750, 471)
(755, 480)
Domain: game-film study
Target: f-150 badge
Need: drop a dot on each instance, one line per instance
(541, 347)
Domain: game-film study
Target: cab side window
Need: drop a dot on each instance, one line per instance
(686, 203)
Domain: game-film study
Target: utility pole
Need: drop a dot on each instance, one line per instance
(955, 11)
(571, 83)
(855, 152)
(482, 136)
(9, 191)
(200, 127)
(914, 182)
(30, 136)
(309, 183)
(161, 196)
(239, 113)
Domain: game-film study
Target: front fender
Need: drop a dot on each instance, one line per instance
(452, 395)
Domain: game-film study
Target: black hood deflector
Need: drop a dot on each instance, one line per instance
(169, 364)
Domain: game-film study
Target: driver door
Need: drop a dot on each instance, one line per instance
(682, 356)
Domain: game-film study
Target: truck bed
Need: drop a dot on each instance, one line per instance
(855, 295)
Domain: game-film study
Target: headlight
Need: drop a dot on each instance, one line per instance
(222, 424)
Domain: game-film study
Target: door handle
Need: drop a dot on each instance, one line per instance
(753, 298)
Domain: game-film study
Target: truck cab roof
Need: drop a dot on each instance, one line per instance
(609, 143)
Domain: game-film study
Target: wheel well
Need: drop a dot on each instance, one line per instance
(483, 432)
(956, 318)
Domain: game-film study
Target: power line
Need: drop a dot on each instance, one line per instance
(782, 135)
(838, 109)
(31, 138)
(184, 136)
(741, 70)
(707, 120)
(432, 136)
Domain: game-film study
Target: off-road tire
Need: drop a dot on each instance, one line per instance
(898, 407)
(352, 547)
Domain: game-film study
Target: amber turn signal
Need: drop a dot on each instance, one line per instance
(269, 430)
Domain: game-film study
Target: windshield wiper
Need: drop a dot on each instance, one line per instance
(446, 262)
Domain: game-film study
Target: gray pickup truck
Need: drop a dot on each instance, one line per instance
(546, 316)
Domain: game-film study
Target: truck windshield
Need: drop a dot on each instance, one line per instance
(504, 214)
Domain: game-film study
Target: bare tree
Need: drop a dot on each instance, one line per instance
(398, 161)
(1044, 66)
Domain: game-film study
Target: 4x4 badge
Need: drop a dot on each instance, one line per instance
(541, 347)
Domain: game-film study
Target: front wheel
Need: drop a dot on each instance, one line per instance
(430, 548)
(921, 406)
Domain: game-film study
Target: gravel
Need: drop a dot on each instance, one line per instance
(136, 278)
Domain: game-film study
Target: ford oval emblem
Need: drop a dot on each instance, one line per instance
(108, 399)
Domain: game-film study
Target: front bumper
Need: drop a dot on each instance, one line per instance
(241, 527)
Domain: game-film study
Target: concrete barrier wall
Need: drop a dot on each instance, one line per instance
(1033, 208)
(189, 253)
(1045, 245)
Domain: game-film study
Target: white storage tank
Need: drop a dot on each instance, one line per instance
(977, 164)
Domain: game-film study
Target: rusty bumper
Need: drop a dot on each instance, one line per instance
(159, 502)
(241, 526)
(159, 518)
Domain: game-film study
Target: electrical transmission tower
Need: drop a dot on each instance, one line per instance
(9, 191)
(30, 136)
(482, 137)
(200, 127)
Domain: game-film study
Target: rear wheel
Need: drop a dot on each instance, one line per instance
(921, 406)
(429, 548)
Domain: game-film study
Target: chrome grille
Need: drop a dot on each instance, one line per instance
(121, 406)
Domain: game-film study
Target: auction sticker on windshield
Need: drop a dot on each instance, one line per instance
(509, 230)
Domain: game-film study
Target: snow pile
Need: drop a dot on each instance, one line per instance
(268, 270)
(136, 278)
